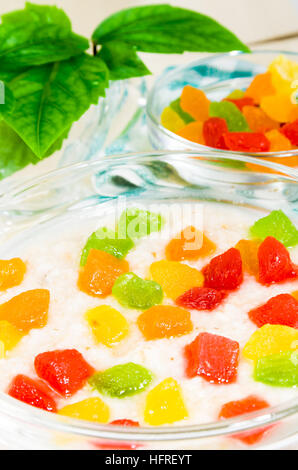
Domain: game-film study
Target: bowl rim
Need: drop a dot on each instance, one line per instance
(172, 71)
(15, 409)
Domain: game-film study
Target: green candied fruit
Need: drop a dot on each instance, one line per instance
(107, 240)
(175, 105)
(280, 370)
(276, 225)
(134, 292)
(122, 381)
(137, 223)
(236, 94)
(235, 120)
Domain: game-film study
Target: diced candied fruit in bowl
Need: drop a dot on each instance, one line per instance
(164, 321)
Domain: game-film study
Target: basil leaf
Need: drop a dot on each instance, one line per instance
(15, 154)
(37, 35)
(166, 29)
(49, 98)
(122, 60)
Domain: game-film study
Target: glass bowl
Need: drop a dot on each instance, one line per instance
(217, 76)
(80, 193)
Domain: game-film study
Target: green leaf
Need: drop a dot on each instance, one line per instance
(167, 29)
(49, 98)
(122, 60)
(15, 154)
(37, 35)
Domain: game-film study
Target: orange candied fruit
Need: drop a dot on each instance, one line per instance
(193, 132)
(100, 272)
(260, 86)
(27, 310)
(249, 255)
(278, 141)
(164, 321)
(279, 107)
(257, 119)
(194, 102)
(12, 272)
(192, 245)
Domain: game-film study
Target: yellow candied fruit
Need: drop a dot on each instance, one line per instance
(9, 335)
(270, 339)
(175, 278)
(2, 350)
(165, 404)
(12, 272)
(284, 73)
(295, 294)
(109, 327)
(91, 409)
(171, 120)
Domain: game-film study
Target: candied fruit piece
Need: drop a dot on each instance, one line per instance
(240, 407)
(290, 131)
(133, 292)
(32, 392)
(241, 102)
(212, 357)
(27, 310)
(137, 223)
(175, 105)
(275, 264)
(258, 120)
(249, 255)
(201, 298)
(236, 94)
(2, 350)
(191, 245)
(125, 423)
(284, 73)
(278, 107)
(9, 335)
(278, 143)
(295, 294)
(280, 370)
(228, 111)
(165, 404)
(91, 409)
(12, 272)
(66, 371)
(279, 310)
(213, 131)
(175, 278)
(260, 86)
(121, 381)
(247, 142)
(106, 240)
(270, 339)
(109, 327)
(224, 271)
(194, 102)
(193, 132)
(100, 272)
(171, 120)
(276, 225)
(165, 321)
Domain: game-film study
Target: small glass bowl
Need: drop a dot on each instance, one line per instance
(79, 194)
(217, 76)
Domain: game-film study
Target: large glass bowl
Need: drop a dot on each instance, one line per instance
(78, 194)
(217, 76)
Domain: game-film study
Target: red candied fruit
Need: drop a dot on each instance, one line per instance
(290, 130)
(246, 142)
(213, 131)
(125, 422)
(66, 371)
(224, 272)
(32, 392)
(280, 310)
(239, 407)
(201, 298)
(241, 102)
(275, 264)
(212, 357)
